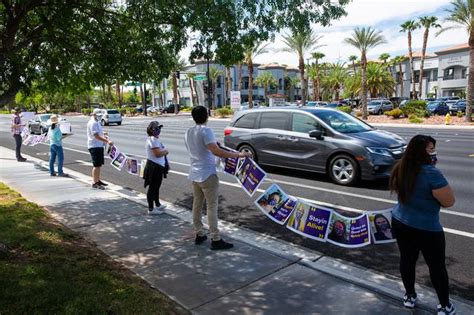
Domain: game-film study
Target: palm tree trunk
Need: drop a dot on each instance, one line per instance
(229, 84)
(422, 62)
(412, 70)
(470, 81)
(191, 88)
(250, 70)
(239, 76)
(303, 83)
(117, 92)
(317, 88)
(363, 85)
(175, 92)
(400, 72)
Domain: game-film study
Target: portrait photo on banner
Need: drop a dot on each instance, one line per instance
(132, 166)
(119, 161)
(141, 168)
(276, 204)
(250, 176)
(112, 152)
(348, 231)
(381, 226)
(310, 220)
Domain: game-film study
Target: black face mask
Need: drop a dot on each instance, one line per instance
(434, 158)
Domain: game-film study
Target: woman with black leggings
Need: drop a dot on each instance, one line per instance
(421, 190)
(156, 167)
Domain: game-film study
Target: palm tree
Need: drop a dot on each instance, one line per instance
(353, 59)
(384, 57)
(266, 80)
(250, 53)
(408, 27)
(178, 65)
(462, 15)
(190, 77)
(379, 80)
(228, 86)
(399, 61)
(300, 43)
(335, 78)
(427, 22)
(363, 39)
(317, 82)
(214, 74)
(239, 76)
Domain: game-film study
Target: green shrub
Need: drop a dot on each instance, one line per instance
(460, 114)
(122, 111)
(417, 108)
(358, 113)
(186, 109)
(414, 119)
(86, 111)
(395, 113)
(345, 109)
(224, 111)
(131, 111)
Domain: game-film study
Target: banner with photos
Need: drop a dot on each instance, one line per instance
(381, 226)
(276, 204)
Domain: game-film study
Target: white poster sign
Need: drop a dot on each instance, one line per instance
(235, 99)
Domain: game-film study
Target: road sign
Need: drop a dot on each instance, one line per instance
(133, 84)
(200, 77)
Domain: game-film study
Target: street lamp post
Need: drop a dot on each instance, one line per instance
(209, 84)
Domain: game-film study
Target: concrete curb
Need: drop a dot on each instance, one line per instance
(358, 275)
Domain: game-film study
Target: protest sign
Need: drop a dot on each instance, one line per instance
(310, 220)
(28, 139)
(276, 204)
(24, 132)
(26, 117)
(65, 128)
(250, 175)
(119, 161)
(381, 226)
(132, 166)
(112, 152)
(349, 232)
(141, 169)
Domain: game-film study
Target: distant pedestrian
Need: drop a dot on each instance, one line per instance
(95, 143)
(56, 147)
(16, 127)
(156, 167)
(421, 190)
(202, 147)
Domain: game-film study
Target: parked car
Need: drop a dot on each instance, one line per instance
(41, 123)
(403, 103)
(378, 107)
(319, 140)
(109, 116)
(139, 108)
(333, 105)
(437, 108)
(459, 106)
(316, 104)
(170, 108)
(449, 100)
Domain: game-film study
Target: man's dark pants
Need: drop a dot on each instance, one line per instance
(18, 141)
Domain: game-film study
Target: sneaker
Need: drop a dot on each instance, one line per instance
(22, 159)
(101, 183)
(221, 244)
(97, 186)
(448, 309)
(200, 239)
(409, 300)
(63, 175)
(155, 211)
(53, 174)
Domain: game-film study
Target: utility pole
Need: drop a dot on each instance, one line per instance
(209, 84)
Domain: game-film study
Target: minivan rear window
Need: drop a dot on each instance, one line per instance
(112, 111)
(246, 121)
(275, 120)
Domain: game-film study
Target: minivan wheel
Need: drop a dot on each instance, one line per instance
(344, 170)
(247, 148)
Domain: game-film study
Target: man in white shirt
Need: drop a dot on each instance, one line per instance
(202, 147)
(95, 144)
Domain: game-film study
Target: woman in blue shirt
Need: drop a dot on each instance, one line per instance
(422, 190)
(56, 147)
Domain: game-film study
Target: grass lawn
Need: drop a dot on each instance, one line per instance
(45, 268)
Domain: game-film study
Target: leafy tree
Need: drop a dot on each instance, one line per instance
(214, 75)
(363, 39)
(408, 27)
(384, 57)
(427, 22)
(462, 15)
(190, 76)
(334, 79)
(379, 81)
(300, 43)
(266, 80)
(314, 75)
(252, 51)
(399, 60)
(353, 59)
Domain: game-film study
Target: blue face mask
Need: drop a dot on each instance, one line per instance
(272, 202)
(434, 158)
(156, 132)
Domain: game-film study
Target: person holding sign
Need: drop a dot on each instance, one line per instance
(156, 168)
(95, 144)
(421, 190)
(16, 127)
(202, 147)
(56, 147)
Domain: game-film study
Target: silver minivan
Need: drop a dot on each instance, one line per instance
(318, 140)
(109, 116)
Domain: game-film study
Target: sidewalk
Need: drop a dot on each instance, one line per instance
(261, 275)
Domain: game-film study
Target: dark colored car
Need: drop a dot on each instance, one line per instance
(41, 123)
(318, 140)
(459, 106)
(437, 108)
(170, 109)
(333, 105)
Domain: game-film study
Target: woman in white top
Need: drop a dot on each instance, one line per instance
(156, 167)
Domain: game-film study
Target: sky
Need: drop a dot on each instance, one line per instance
(383, 15)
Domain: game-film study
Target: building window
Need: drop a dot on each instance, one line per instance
(219, 83)
(463, 74)
(435, 75)
(448, 74)
(280, 84)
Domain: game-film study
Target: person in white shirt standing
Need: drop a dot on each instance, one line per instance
(156, 167)
(95, 144)
(202, 147)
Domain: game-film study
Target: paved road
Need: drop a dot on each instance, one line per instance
(454, 149)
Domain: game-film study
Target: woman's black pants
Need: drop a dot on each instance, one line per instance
(432, 245)
(153, 193)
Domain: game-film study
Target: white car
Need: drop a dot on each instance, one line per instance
(108, 116)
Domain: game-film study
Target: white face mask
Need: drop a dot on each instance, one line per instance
(433, 157)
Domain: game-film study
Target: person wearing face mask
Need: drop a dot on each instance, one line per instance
(56, 147)
(338, 232)
(297, 222)
(382, 227)
(421, 189)
(95, 144)
(156, 168)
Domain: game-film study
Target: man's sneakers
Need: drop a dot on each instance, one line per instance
(200, 239)
(101, 183)
(220, 245)
(409, 300)
(157, 210)
(448, 309)
(63, 175)
(22, 159)
(98, 186)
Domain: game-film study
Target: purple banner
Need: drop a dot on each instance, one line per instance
(310, 220)
(250, 175)
(230, 165)
(349, 232)
(381, 226)
(276, 204)
(132, 166)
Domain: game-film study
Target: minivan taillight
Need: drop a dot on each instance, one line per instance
(227, 132)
